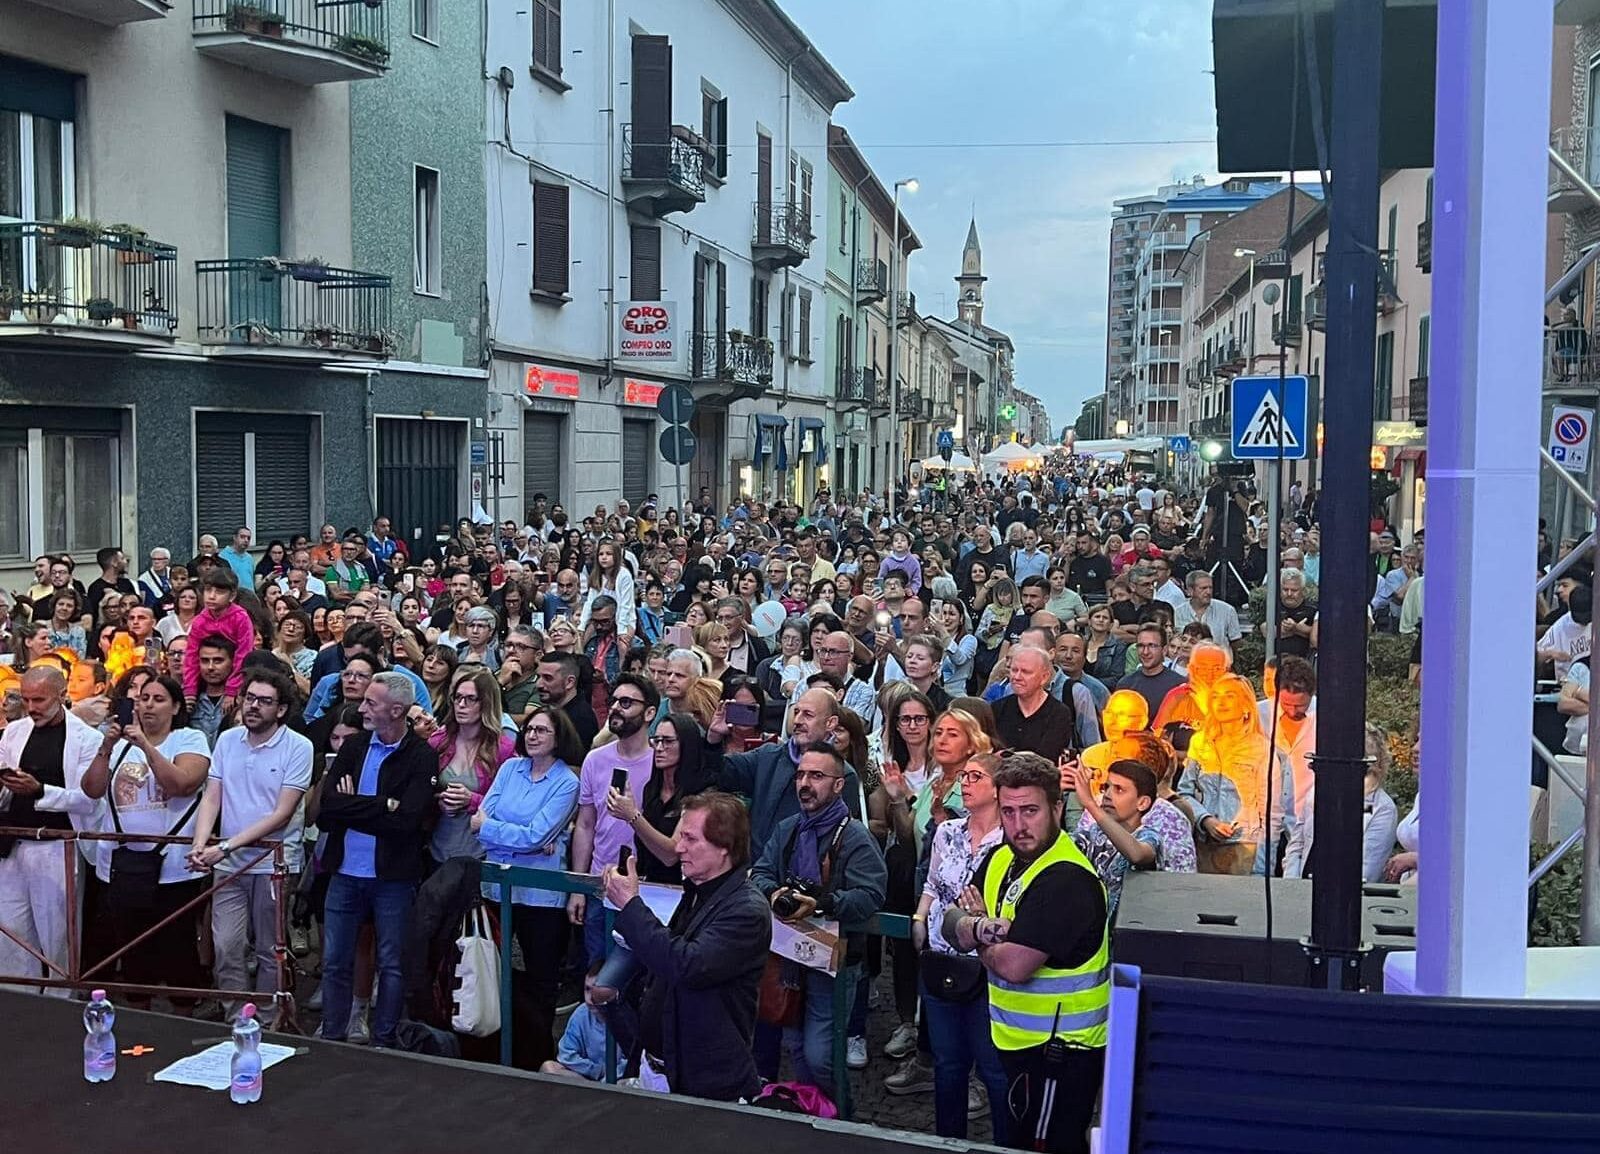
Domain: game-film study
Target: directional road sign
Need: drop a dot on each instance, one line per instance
(677, 445)
(1262, 425)
(675, 404)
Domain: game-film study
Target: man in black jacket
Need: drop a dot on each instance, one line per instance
(376, 805)
(698, 1013)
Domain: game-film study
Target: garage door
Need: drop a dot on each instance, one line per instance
(541, 457)
(638, 450)
(418, 471)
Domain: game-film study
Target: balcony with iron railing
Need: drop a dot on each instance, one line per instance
(1425, 244)
(872, 280)
(1417, 400)
(77, 283)
(1577, 146)
(733, 358)
(1316, 309)
(780, 236)
(1169, 239)
(303, 41)
(1286, 334)
(1163, 316)
(1219, 425)
(856, 386)
(277, 309)
(663, 175)
(111, 12)
(905, 308)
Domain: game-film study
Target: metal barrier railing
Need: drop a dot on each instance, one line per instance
(74, 977)
(559, 881)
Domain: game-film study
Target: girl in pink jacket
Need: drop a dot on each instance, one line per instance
(221, 616)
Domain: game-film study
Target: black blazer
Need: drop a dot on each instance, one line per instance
(711, 971)
(407, 776)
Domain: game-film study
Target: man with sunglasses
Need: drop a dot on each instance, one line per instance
(599, 835)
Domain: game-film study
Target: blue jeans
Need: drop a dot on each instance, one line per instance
(594, 931)
(350, 901)
(959, 1032)
(810, 1044)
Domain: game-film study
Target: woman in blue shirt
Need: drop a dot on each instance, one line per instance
(525, 820)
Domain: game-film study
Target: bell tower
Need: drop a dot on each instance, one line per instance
(969, 299)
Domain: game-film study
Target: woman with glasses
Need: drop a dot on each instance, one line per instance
(955, 997)
(293, 631)
(480, 646)
(471, 750)
(526, 820)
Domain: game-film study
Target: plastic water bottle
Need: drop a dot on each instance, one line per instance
(100, 1044)
(245, 1084)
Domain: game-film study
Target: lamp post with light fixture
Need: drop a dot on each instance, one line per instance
(910, 185)
(1274, 473)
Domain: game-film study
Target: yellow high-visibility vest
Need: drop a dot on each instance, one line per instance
(1024, 1014)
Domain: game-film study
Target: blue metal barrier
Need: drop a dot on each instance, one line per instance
(559, 881)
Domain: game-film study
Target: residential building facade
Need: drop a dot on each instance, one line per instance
(187, 341)
(702, 210)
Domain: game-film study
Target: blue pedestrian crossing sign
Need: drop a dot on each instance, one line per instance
(1264, 424)
(1179, 445)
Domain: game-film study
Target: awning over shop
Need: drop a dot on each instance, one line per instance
(819, 444)
(768, 434)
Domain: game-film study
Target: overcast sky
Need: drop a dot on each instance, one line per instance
(978, 100)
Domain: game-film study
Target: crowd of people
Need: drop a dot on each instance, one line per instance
(983, 713)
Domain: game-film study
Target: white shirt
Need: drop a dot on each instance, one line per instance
(1220, 617)
(313, 585)
(1570, 638)
(82, 743)
(1577, 739)
(1147, 498)
(1172, 593)
(252, 777)
(142, 806)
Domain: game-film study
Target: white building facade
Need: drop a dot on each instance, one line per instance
(697, 199)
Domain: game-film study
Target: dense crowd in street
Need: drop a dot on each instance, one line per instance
(982, 711)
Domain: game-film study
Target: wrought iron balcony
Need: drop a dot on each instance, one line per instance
(1286, 334)
(1571, 357)
(1163, 317)
(1425, 244)
(1317, 308)
(1417, 400)
(666, 175)
(111, 12)
(1576, 146)
(1220, 425)
(281, 309)
(733, 358)
(303, 41)
(906, 306)
(77, 282)
(872, 280)
(781, 236)
(856, 386)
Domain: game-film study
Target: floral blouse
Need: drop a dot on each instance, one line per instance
(951, 868)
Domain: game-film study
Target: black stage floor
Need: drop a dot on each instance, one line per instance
(349, 1100)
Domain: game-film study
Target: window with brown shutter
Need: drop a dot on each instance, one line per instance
(714, 127)
(645, 267)
(547, 36)
(550, 238)
(805, 327)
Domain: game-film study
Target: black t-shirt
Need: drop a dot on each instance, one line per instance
(1304, 614)
(99, 588)
(1227, 524)
(1154, 690)
(42, 755)
(1062, 912)
(1087, 576)
(1050, 731)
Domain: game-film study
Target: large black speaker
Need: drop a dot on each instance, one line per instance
(1214, 926)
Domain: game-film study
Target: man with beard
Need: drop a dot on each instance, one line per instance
(599, 835)
(1035, 912)
(821, 861)
(259, 773)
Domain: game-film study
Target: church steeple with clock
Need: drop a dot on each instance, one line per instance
(969, 301)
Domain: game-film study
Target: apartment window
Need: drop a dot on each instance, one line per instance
(1383, 383)
(425, 20)
(79, 473)
(1424, 342)
(550, 239)
(807, 179)
(426, 252)
(805, 327)
(547, 37)
(714, 127)
(793, 186)
(36, 170)
(644, 281)
(760, 318)
(844, 220)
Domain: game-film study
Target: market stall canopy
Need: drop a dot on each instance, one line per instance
(1117, 449)
(1012, 455)
(958, 463)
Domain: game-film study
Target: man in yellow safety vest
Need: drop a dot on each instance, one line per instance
(1036, 914)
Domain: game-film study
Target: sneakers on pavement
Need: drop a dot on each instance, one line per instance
(903, 1042)
(913, 1077)
(359, 1034)
(314, 1002)
(977, 1099)
(299, 941)
(856, 1053)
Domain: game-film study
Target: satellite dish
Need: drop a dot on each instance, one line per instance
(1271, 293)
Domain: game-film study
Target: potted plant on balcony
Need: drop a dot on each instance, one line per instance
(100, 310)
(130, 319)
(322, 337)
(11, 305)
(254, 20)
(363, 47)
(74, 232)
(129, 243)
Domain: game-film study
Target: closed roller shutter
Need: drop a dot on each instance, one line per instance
(541, 456)
(283, 481)
(255, 188)
(218, 475)
(418, 465)
(637, 453)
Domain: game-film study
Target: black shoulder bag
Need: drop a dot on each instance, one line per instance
(136, 873)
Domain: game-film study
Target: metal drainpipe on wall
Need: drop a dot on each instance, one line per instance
(611, 196)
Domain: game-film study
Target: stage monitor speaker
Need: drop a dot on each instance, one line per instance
(1214, 926)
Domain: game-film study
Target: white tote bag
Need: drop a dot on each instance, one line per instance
(477, 1002)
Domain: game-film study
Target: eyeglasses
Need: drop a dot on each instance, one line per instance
(540, 731)
(661, 739)
(971, 776)
(267, 702)
(626, 703)
(824, 651)
(465, 698)
(914, 719)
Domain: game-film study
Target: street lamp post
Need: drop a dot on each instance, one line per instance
(910, 185)
(1274, 477)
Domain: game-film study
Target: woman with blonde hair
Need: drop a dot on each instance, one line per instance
(1225, 784)
(471, 749)
(711, 639)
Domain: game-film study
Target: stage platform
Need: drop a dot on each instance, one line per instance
(349, 1099)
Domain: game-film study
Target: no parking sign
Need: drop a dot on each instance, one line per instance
(1570, 430)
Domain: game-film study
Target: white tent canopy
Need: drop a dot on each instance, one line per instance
(1012, 455)
(958, 463)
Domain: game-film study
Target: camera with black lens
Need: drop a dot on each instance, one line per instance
(787, 905)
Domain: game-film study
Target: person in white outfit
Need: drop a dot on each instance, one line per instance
(43, 757)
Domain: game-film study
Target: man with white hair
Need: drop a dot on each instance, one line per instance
(1030, 718)
(374, 816)
(1220, 617)
(155, 583)
(45, 754)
